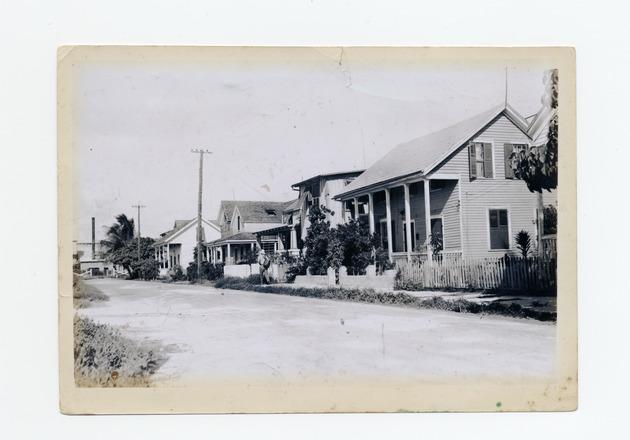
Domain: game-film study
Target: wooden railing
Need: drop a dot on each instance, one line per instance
(550, 245)
(518, 274)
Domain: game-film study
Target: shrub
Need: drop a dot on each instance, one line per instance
(298, 268)
(105, 358)
(147, 269)
(209, 271)
(523, 242)
(177, 274)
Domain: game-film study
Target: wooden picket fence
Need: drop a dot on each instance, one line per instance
(518, 274)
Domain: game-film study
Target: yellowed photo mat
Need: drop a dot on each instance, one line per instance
(324, 395)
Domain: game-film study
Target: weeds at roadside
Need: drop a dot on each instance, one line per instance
(399, 299)
(84, 294)
(105, 358)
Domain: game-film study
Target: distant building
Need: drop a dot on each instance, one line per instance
(89, 257)
(238, 222)
(176, 247)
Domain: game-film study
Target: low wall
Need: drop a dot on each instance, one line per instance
(277, 272)
(311, 280)
(238, 270)
(367, 282)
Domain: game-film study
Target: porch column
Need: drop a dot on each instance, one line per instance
(294, 244)
(229, 254)
(371, 209)
(355, 201)
(427, 219)
(168, 256)
(408, 220)
(388, 210)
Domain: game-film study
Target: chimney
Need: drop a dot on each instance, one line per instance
(93, 241)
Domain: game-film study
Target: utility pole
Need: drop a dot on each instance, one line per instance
(199, 238)
(138, 206)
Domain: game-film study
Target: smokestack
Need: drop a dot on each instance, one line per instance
(93, 241)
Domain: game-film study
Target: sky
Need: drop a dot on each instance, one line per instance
(269, 122)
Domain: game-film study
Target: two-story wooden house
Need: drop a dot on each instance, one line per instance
(318, 190)
(456, 184)
(239, 221)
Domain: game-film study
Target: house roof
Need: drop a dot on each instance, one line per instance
(240, 237)
(421, 155)
(181, 226)
(295, 204)
(260, 211)
(320, 176)
(227, 206)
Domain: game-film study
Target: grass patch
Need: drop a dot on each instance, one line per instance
(85, 294)
(399, 299)
(105, 358)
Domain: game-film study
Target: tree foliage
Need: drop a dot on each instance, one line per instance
(538, 167)
(318, 236)
(121, 248)
(357, 245)
(127, 257)
(118, 234)
(349, 244)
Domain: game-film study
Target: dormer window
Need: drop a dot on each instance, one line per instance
(238, 223)
(271, 212)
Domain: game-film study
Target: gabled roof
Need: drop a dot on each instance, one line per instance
(227, 208)
(181, 226)
(260, 211)
(328, 175)
(421, 155)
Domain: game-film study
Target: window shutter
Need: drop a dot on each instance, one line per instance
(507, 152)
(487, 160)
(472, 158)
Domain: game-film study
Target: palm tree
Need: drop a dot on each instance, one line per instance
(118, 234)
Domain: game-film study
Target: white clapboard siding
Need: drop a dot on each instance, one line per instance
(481, 194)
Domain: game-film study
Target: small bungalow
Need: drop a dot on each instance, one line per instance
(176, 247)
(238, 222)
(317, 190)
(455, 186)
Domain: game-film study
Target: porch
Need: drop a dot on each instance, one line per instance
(414, 218)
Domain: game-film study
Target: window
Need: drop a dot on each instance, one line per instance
(499, 231)
(480, 158)
(238, 224)
(519, 150)
(269, 247)
(413, 236)
(271, 212)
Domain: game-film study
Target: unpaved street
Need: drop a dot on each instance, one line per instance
(210, 333)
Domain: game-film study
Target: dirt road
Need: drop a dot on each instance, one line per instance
(210, 333)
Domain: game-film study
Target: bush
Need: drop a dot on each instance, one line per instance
(298, 268)
(147, 269)
(209, 271)
(105, 358)
(177, 274)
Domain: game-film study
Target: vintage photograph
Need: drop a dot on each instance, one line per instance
(249, 229)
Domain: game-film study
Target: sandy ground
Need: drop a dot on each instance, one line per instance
(214, 333)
